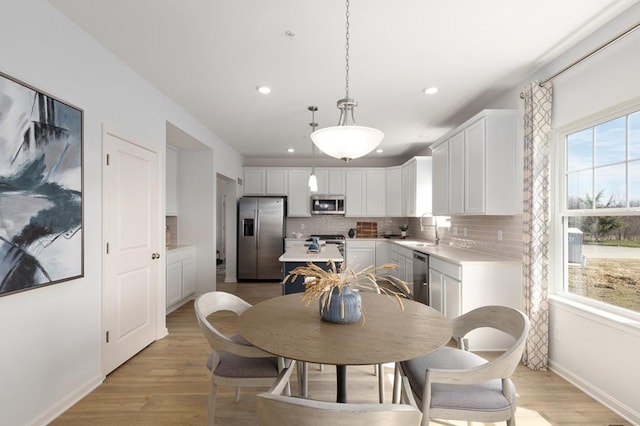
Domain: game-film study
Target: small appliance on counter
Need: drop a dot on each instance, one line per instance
(314, 247)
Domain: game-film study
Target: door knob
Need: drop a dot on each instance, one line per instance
(155, 256)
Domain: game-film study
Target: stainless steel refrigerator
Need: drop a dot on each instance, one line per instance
(260, 237)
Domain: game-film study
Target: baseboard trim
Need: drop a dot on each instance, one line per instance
(602, 397)
(64, 404)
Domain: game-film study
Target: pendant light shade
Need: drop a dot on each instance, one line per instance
(313, 182)
(347, 141)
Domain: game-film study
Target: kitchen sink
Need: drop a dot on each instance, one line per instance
(418, 244)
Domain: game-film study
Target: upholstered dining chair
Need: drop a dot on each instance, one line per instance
(233, 361)
(455, 384)
(275, 409)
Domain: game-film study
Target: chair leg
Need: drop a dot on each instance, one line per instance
(238, 394)
(211, 409)
(397, 379)
(380, 370)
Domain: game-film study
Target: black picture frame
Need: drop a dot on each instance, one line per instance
(41, 188)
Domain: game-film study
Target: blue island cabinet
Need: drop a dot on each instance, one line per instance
(297, 285)
(298, 256)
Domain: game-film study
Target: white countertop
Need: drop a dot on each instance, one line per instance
(300, 254)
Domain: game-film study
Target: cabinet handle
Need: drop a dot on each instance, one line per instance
(155, 256)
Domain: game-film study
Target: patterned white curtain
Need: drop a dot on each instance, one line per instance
(537, 129)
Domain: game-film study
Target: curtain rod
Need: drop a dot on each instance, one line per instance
(588, 55)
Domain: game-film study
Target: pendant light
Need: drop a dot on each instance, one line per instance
(347, 141)
(313, 180)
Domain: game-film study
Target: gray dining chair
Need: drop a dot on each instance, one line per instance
(233, 361)
(275, 409)
(455, 384)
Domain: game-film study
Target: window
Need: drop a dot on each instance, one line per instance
(599, 213)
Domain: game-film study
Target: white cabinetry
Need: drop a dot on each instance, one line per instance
(440, 179)
(403, 257)
(255, 181)
(416, 187)
(375, 204)
(365, 193)
(360, 254)
(265, 181)
(458, 288)
(405, 260)
(172, 181)
(181, 276)
(331, 181)
(456, 173)
(298, 200)
(482, 166)
(393, 191)
(355, 196)
(276, 181)
(382, 253)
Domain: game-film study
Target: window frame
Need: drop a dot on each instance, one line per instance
(558, 241)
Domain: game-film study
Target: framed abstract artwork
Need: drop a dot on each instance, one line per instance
(41, 184)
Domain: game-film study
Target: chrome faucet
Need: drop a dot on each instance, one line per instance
(435, 225)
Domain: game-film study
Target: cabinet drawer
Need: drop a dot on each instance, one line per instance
(450, 269)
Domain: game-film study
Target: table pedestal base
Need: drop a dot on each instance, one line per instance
(341, 381)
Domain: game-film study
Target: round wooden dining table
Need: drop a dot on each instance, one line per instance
(285, 326)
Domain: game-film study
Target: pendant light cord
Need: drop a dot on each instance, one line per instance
(346, 56)
(313, 125)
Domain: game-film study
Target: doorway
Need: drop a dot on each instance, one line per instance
(131, 261)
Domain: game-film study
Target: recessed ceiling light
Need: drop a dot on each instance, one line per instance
(265, 90)
(379, 151)
(430, 90)
(291, 150)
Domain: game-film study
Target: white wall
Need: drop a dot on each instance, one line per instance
(51, 337)
(598, 354)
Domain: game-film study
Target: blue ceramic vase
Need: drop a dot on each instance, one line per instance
(352, 307)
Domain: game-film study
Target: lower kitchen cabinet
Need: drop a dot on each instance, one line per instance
(360, 254)
(382, 253)
(180, 277)
(458, 288)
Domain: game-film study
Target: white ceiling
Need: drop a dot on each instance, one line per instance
(209, 56)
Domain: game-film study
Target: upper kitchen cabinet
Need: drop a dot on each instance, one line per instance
(299, 196)
(331, 181)
(393, 192)
(172, 181)
(440, 175)
(255, 181)
(355, 194)
(265, 181)
(277, 181)
(365, 193)
(416, 187)
(481, 165)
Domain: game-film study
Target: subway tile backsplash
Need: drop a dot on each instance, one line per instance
(327, 224)
(478, 233)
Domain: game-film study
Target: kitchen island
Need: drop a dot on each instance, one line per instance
(299, 256)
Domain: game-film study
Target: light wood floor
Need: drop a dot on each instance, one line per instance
(167, 384)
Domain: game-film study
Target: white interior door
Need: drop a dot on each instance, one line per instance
(132, 225)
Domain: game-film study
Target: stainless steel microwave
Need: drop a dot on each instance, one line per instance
(327, 204)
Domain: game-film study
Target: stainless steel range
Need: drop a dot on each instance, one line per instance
(337, 239)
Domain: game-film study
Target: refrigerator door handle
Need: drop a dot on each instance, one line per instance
(257, 221)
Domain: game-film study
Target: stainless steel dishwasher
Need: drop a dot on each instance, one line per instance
(421, 277)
